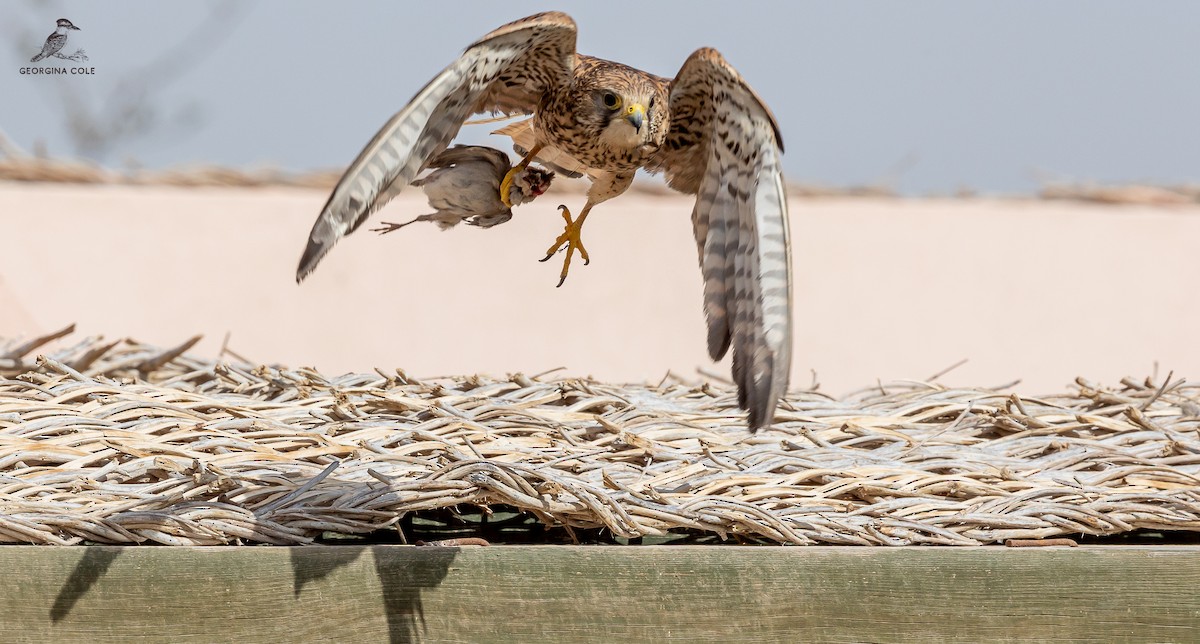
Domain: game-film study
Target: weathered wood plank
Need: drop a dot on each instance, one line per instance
(553, 594)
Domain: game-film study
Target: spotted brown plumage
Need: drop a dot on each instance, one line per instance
(705, 129)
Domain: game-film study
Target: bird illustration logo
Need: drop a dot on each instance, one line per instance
(56, 41)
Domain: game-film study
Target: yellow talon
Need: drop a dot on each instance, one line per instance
(511, 175)
(572, 237)
(506, 184)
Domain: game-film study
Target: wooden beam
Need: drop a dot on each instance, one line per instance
(597, 593)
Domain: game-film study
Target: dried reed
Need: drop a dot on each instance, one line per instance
(118, 442)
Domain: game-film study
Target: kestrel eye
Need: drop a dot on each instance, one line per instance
(611, 101)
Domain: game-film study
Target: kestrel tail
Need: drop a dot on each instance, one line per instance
(705, 129)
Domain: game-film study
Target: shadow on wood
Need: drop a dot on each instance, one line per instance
(402, 573)
(91, 567)
(598, 593)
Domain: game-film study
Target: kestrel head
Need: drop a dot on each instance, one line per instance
(621, 106)
(63, 22)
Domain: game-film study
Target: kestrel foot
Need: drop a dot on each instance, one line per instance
(571, 237)
(511, 175)
(506, 184)
(388, 226)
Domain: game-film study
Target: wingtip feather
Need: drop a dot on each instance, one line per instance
(763, 395)
(718, 339)
(313, 253)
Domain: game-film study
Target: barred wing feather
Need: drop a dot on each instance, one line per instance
(724, 146)
(508, 70)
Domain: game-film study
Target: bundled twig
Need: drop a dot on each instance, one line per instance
(125, 443)
(35, 169)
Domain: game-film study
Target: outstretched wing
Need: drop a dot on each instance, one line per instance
(724, 146)
(506, 71)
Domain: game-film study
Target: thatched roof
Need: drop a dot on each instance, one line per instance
(118, 442)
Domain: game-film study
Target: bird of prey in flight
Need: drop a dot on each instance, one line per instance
(706, 130)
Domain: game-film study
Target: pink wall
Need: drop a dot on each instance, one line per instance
(1041, 291)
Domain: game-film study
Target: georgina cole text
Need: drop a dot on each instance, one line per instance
(74, 71)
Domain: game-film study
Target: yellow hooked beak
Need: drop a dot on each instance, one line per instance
(636, 114)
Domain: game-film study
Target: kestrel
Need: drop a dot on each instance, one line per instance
(706, 130)
(466, 187)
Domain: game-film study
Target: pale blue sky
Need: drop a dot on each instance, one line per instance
(988, 95)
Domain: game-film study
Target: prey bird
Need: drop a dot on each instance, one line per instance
(705, 129)
(55, 41)
(466, 187)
